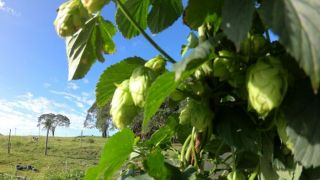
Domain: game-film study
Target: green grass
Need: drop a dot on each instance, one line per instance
(68, 157)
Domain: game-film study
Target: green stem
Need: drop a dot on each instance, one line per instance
(233, 159)
(137, 26)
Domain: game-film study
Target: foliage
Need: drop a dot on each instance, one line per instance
(99, 118)
(50, 121)
(242, 106)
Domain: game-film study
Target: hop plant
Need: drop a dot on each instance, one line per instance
(71, 17)
(267, 85)
(196, 113)
(254, 45)
(224, 66)
(204, 70)
(157, 64)
(94, 5)
(236, 175)
(122, 108)
(140, 82)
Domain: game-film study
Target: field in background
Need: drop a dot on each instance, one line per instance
(68, 157)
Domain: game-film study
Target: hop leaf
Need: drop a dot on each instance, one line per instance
(157, 64)
(122, 109)
(94, 5)
(70, 18)
(196, 113)
(267, 85)
(140, 82)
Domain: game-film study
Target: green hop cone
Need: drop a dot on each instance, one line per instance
(157, 64)
(225, 65)
(254, 45)
(236, 175)
(177, 95)
(140, 82)
(267, 85)
(197, 113)
(70, 18)
(122, 109)
(205, 70)
(94, 5)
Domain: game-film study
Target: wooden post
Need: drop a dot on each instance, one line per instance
(9, 142)
(46, 150)
(81, 138)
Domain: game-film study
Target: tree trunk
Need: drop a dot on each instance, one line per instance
(52, 131)
(104, 133)
(46, 150)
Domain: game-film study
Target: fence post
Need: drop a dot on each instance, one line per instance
(9, 142)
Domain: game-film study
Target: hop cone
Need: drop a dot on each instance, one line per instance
(122, 109)
(224, 66)
(204, 70)
(94, 5)
(157, 64)
(71, 17)
(140, 82)
(196, 113)
(267, 85)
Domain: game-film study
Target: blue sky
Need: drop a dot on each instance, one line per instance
(33, 66)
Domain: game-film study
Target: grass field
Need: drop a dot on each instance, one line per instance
(68, 157)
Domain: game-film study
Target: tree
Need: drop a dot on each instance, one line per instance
(247, 102)
(50, 121)
(99, 118)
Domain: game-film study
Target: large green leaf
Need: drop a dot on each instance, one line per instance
(138, 9)
(297, 24)
(81, 50)
(197, 11)
(163, 14)
(237, 19)
(87, 45)
(116, 151)
(115, 74)
(160, 89)
(155, 165)
(236, 129)
(107, 31)
(301, 109)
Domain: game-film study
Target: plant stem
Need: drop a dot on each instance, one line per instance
(137, 26)
(233, 159)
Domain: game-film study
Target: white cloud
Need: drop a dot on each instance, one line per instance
(72, 86)
(22, 113)
(2, 4)
(84, 98)
(5, 8)
(79, 104)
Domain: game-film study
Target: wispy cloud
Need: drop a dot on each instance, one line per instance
(84, 98)
(72, 86)
(23, 111)
(5, 8)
